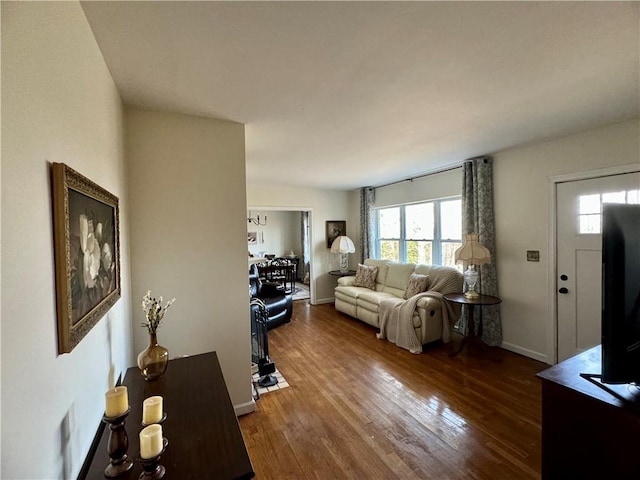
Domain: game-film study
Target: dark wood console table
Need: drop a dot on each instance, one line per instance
(588, 432)
(201, 426)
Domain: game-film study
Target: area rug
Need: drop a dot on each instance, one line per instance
(302, 292)
(282, 383)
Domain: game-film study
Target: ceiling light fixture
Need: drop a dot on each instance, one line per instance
(256, 220)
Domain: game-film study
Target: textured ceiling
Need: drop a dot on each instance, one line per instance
(347, 94)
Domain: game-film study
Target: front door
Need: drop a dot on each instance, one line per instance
(579, 262)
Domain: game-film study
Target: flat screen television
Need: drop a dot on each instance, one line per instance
(621, 294)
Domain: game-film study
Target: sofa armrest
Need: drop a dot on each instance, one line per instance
(347, 281)
(428, 303)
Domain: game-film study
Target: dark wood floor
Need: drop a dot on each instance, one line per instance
(363, 408)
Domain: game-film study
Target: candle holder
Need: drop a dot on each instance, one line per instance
(117, 446)
(151, 468)
(161, 421)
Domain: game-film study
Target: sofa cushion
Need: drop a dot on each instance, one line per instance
(374, 297)
(383, 268)
(351, 291)
(366, 276)
(398, 276)
(417, 284)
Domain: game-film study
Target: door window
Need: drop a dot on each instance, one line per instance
(590, 208)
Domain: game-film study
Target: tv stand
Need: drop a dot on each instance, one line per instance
(589, 429)
(625, 392)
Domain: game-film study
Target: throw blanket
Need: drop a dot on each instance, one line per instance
(396, 321)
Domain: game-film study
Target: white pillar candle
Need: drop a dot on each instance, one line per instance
(151, 441)
(117, 401)
(152, 410)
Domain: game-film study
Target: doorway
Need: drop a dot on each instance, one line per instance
(284, 232)
(578, 286)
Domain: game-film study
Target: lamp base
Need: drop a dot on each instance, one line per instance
(344, 262)
(471, 278)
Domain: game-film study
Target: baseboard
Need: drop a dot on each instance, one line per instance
(541, 357)
(324, 300)
(245, 408)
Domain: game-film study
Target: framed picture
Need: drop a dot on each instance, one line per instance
(252, 238)
(335, 228)
(86, 229)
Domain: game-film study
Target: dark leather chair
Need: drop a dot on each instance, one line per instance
(279, 304)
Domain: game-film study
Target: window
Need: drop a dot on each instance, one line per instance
(427, 232)
(590, 208)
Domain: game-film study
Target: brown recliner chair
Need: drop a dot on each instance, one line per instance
(279, 304)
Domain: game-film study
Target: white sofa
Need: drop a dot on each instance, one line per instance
(391, 282)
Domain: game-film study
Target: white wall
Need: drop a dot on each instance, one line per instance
(59, 104)
(279, 236)
(324, 205)
(523, 222)
(188, 235)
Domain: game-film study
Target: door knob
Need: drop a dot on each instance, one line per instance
(564, 277)
(563, 290)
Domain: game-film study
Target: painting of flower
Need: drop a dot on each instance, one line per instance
(91, 225)
(86, 245)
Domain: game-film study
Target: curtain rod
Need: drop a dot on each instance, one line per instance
(411, 179)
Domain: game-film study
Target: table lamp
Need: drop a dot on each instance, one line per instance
(472, 253)
(344, 246)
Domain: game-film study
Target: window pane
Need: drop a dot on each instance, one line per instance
(389, 222)
(633, 196)
(451, 220)
(590, 224)
(419, 252)
(589, 203)
(614, 197)
(419, 221)
(390, 250)
(448, 254)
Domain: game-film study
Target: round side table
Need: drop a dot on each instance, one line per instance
(480, 301)
(338, 273)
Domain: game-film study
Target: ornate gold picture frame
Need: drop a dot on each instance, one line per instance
(86, 230)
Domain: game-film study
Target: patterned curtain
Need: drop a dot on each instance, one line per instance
(367, 225)
(304, 248)
(477, 217)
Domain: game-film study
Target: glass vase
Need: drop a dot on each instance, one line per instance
(153, 360)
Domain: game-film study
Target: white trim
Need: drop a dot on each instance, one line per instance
(600, 172)
(323, 301)
(552, 336)
(526, 352)
(245, 408)
(552, 327)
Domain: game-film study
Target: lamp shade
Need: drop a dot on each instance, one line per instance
(342, 244)
(472, 252)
